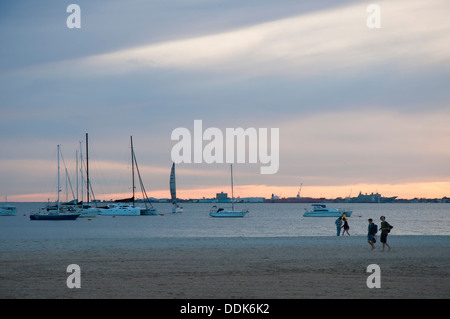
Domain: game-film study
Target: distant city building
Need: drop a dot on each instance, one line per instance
(223, 198)
(372, 198)
(221, 195)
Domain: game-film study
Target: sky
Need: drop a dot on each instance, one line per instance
(358, 109)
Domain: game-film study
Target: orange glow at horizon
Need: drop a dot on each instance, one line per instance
(404, 191)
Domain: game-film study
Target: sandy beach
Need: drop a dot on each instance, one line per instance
(278, 268)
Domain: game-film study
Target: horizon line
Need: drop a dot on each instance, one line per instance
(429, 190)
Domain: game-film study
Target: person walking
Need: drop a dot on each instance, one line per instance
(372, 230)
(385, 230)
(346, 227)
(338, 223)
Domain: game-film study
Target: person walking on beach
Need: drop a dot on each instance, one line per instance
(346, 227)
(385, 229)
(372, 230)
(338, 223)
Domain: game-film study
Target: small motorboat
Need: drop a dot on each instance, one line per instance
(321, 210)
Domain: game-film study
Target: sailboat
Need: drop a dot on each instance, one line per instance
(173, 192)
(119, 208)
(225, 212)
(149, 209)
(56, 212)
(7, 210)
(86, 209)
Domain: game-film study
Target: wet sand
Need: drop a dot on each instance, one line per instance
(275, 268)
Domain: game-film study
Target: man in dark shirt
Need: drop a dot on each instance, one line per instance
(385, 229)
(372, 230)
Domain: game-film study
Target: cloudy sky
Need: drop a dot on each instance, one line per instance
(358, 109)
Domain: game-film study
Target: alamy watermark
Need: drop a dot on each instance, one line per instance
(235, 146)
(374, 19)
(74, 19)
(374, 280)
(74, 279)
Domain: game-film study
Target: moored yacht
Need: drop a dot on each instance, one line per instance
(226, 212)
(56, 212)
(8, 210)
(120, 210)
(321, 210)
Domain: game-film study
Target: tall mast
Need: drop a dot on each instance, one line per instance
(58, 179)
(87, 168)
(67, 192)
(81, 171)
(232, 194)
(76, 170)
(132, 165)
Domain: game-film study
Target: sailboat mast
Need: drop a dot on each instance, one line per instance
(81, 172)
(173, 188)
(76, 170)
(232, 193)
(58, 180)
(87, 169)
(132, 165)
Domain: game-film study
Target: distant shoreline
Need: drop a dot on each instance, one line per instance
(444, 200)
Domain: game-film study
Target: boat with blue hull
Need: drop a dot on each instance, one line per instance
(55, 216)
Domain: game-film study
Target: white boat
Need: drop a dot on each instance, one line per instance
(86, 209)
(120, 210)
(173, 192)
(321, 210)
(8, 210)
(225, 212)
(89, 211)
(148, 209)
(56, 212)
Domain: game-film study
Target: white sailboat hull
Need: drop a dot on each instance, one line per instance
(227, 213)
(120, 210)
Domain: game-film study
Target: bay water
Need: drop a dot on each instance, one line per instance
(264, 220)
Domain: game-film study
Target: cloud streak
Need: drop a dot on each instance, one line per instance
(323, 41)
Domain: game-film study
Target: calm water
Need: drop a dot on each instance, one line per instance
(264, 220)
